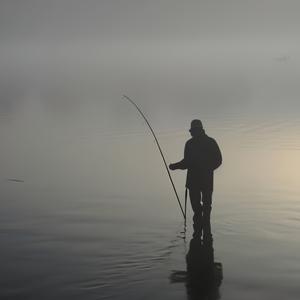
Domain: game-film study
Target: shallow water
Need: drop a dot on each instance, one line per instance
(90, 214)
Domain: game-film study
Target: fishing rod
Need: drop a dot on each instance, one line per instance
(161, 153)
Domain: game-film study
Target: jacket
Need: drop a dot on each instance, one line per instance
(202, 156)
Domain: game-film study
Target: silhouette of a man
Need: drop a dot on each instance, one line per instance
(202, 156)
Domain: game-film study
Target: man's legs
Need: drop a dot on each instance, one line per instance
(195, 197)
(206, 203)
(201, 204)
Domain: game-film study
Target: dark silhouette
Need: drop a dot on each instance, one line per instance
(201, 157)
(203, 276)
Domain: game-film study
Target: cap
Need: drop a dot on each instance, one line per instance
(196, 124)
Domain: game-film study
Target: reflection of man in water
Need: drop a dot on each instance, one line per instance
(201, 157)
(203, 276)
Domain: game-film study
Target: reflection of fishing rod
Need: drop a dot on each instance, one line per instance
(161, 153)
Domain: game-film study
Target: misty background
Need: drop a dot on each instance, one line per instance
(86, 207)
(66, 64)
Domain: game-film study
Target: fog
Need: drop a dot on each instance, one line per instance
(86, 206)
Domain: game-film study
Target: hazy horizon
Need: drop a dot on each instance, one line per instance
(87, 210)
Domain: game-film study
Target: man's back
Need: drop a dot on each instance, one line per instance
(202, 152)
(201, 157)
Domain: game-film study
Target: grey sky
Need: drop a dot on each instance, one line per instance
(185, 57)
(141, 20)
(64, 66)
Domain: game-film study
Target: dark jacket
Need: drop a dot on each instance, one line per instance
(202, 156)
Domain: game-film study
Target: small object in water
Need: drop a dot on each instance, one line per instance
(178, 276)
(15, 180)
(283, 58)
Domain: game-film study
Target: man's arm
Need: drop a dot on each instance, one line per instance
(183, 164)
(179, 165)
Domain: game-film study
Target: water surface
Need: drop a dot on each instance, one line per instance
(89, 213)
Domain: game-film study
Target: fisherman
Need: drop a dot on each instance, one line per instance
(202, 156)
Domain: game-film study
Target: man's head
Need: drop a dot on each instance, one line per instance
(196, 127)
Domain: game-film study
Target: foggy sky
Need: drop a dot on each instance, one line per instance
(195, 57)
(128, 20)
(64, 66)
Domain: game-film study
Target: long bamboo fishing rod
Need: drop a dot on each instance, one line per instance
(161, 153)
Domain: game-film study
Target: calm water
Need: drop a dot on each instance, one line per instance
(88, 213)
